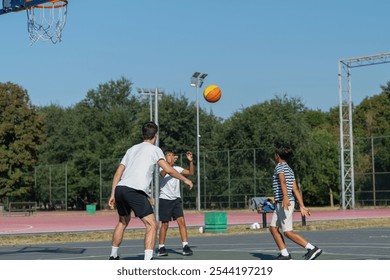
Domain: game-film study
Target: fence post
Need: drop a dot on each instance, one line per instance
(254, 172)
(228, 154)
(66, 186)
(100, 185)
(373, 170)
(204, 180)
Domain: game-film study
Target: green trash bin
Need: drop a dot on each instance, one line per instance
(215, 221)
(91, 208)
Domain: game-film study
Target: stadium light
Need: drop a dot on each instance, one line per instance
(197, 82)
(157, 93)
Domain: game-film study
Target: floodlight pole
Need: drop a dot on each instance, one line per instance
(156, 93)
(198, 145)
(148, 92)
(197, 82)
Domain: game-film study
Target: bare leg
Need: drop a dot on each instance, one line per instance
(295, 237)
(117, 235)
(182, 228)
(278, 237)
(163, 232)
(151, 231)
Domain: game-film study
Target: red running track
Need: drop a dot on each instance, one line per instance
(50, 222)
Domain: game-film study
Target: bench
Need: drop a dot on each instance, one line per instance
(264, 216)
(26, 208)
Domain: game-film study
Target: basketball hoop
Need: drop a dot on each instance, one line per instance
(47, 20)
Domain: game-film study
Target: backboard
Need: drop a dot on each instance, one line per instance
(45, 18)
(18, 5)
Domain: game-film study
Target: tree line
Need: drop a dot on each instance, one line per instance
(108, 120)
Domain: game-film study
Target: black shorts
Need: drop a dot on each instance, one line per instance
(128, 199)
(170, 210)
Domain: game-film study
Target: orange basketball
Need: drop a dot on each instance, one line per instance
(212, 93)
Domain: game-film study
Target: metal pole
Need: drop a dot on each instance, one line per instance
(35, 184)
(156, 173)
(342, 152)
(50, 187)
(66, 186)
(352, 189)
(151, 106)
(100, 185)
(254, 172)
(229, 199)
(197, 81)
(373, 170)
(204, 181)
(197, 143)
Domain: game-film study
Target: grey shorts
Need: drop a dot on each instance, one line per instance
(128, 199)
(283, 218)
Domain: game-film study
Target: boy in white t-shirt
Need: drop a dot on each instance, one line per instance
(130, 189)
(170, 204)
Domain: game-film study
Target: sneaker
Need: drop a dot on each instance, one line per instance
(281, 257)
(312, 254)
(162, 252)
(112, 258)
(187, 251)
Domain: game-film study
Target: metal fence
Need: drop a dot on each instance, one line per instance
(372, 183)
(229, 179)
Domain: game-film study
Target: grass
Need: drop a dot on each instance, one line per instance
(49, 238)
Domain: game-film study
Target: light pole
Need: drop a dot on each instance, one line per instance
(156, 93)
(197, 82)
(147, 92)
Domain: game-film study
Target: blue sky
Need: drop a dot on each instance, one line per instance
(252, 49)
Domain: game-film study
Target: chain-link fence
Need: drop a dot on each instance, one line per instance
(50, 183)
(229, 179)
(372, 180)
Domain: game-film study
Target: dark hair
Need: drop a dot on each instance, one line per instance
(168, 151)
(149, 130)
(284, 151)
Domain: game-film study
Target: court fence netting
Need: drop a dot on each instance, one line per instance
(229, 179)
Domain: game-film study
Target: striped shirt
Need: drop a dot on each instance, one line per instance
(283, 167)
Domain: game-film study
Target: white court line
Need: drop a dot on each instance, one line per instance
(15, 228)
(380, 236)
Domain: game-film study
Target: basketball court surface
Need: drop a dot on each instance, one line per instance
(351, 244)
(357, 244)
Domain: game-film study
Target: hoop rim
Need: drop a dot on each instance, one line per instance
(54, 6)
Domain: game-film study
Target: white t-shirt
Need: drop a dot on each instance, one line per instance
(139, 162)
(170, 186)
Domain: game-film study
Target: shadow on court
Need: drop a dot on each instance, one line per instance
(38, 251)
(351, 244)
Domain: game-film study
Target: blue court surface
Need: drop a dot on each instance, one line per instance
(351, 244)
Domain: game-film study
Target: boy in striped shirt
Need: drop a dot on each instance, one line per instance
(284, 189)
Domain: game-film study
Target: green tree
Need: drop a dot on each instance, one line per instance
(177, 124)
(371, 130)
(261, 126)
(59, 129)
(320, 182)
(109, 119)
(101, 126)
(21, 135)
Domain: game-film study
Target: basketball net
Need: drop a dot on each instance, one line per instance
(46, 21)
